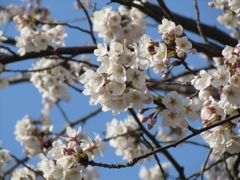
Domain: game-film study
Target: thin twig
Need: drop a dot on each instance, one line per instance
(121, 135)
(33, 70)
(82, 120)
(166, 11)
(63, 112)
(156, 157)
(169, 83)
(198, 22)
(25, 159)
(75, 88)
(66, 24)
(89, 21)
(196, 175)
(205, 163)
(226, 167)
(11, 51)
(187, 142)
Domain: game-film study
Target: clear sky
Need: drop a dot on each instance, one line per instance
(18, 100)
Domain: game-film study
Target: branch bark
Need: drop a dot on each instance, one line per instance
(62, 51)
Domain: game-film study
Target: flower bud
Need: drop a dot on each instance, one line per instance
(193, 51)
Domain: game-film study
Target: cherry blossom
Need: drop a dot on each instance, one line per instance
(202, 81)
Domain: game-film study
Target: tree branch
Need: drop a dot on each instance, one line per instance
(63, 51)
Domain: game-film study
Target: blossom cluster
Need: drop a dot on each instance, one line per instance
(50, 79)
(226, 78)
(230, 16)
(119, 25)
(154, 172)
(4, 159)
(9, 12)
(118, 83)
(36, 140)
(32, 8)
(234, 5)
(219, 171)
(173, 111)
(32, 39)
(67, 160)
(23, 173)
(124, 137)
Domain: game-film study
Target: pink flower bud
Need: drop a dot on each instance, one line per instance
(211, 4)
(165, 76)
(144, 119)
(78, 149)
(181, 54)
(153, 121)
(149, 126)
(143, 110)
(72, 144)
(193, 51)
(166, 60)
(165, 36)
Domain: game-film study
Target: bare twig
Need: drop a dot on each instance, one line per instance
(89, 21)
(63, 112)
(187, 142)
(68, 25)
(121, 135)
(155, 156)
(11, 51)
(198, 22)
(205, 163)
(82, 120)
(33, 70)
(75, 88)
(226, 167)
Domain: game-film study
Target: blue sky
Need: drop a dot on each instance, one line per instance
(21, 99)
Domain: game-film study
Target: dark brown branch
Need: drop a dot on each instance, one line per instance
(236, 165)
(187, 142)
(63, 51)
(10, 41)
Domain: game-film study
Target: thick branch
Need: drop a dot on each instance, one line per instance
(63, 51)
